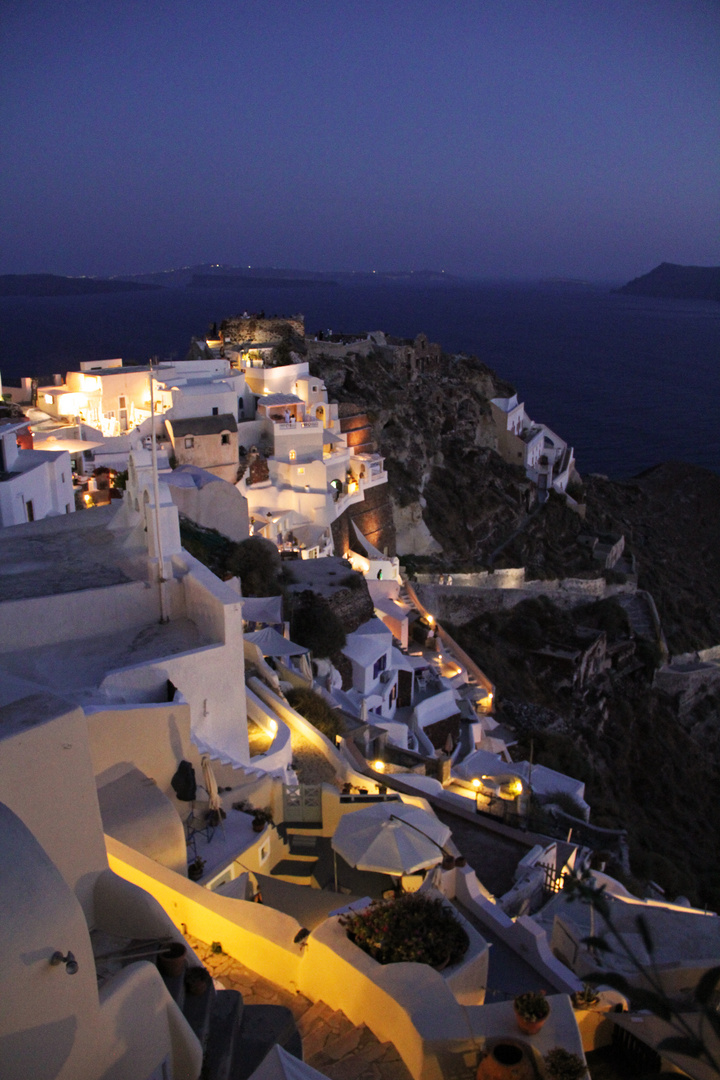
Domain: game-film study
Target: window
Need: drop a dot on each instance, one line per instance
(68, 509)
(380, 665)
(225, 440)
(189, 443)
(215, 410)
(62, 477)
(292, 455)
(30, 510)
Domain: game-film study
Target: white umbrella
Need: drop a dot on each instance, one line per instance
(214, 803)
(390, 838)
(280, 1065)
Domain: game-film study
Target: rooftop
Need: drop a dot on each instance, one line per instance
(65, 554)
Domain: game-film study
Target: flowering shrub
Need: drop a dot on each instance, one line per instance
(411, 927)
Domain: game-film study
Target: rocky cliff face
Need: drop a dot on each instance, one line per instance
(432, 422)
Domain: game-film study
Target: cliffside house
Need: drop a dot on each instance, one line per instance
(209, 442)
(34, 484)
(546, 458)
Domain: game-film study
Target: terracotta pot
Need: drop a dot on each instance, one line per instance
(197, 981)
(171, 961)
(505, 1061)
(529, 1027)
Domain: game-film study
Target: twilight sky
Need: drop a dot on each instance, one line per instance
(509, 138)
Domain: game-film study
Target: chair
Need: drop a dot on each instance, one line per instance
(198, 823)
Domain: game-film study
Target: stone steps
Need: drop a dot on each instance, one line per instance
(234, 1037)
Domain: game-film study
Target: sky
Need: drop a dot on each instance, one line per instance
(497, 138)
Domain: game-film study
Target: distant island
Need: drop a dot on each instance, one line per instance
(678, 282)
(229, 281)
(56, 285)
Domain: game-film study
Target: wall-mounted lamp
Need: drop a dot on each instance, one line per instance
(71, 964)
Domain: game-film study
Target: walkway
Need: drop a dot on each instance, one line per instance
(331, 1043)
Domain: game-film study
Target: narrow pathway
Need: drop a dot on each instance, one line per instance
(310, 764)
(331, 1043)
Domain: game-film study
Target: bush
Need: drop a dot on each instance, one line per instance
(567, 803)
(315, 709)
(257, 563)
(411, 928)
(316, 626)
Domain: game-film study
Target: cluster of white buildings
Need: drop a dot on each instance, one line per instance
(122, 656)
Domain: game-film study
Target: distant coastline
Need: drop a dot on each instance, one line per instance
(57, 285)
(672, 281)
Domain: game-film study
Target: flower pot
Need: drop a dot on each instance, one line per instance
(258, 826)
(505, 1061)
(197, 981)
(529, 1027)
(171, 961)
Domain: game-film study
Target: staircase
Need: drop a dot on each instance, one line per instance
(235, 1037)
(639, 616)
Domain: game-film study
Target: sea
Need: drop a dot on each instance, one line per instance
(628, 381)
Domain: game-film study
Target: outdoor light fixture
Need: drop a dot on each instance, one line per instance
(476, 782)
(379, 766)
(71, 964)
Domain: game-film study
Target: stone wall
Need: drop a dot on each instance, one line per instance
(237, 329)
(459, 604)
(373, 517)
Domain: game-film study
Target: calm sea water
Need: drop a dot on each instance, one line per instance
(628, 381)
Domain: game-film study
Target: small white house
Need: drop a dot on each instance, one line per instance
(34, 484)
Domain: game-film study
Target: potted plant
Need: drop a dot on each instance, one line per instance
(560, 1064)
(196, 868)
(585, 998)
(531, 1011)
(411, 928)
(261, 818)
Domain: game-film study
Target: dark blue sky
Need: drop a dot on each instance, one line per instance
(513, 138)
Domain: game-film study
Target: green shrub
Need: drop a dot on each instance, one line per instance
(256, 562)
(567, 802)
(316, 626)
(315, 709)
(410, 928)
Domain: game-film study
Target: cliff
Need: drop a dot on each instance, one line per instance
(677, 282)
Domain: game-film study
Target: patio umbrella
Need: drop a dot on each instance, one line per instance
(280, 1065)
(214, 803)
(390, 838)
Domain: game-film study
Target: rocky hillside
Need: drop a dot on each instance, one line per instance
(451, 493)
(456, 505)
(677, 282)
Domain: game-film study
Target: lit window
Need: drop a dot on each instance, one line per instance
(301, 471)
(292, 455)
(48, 399)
